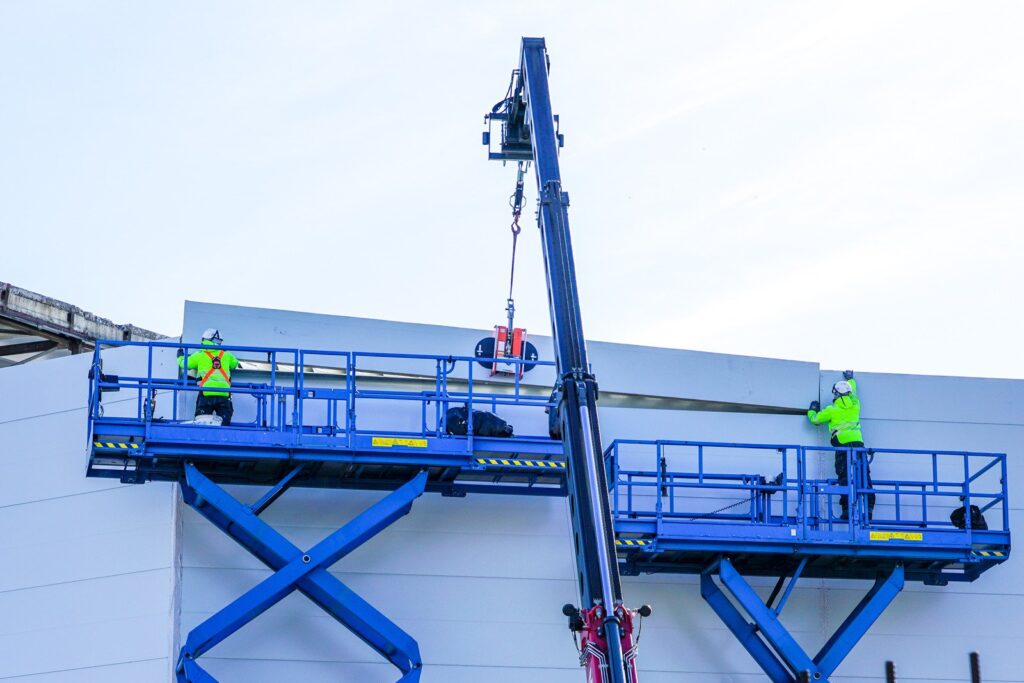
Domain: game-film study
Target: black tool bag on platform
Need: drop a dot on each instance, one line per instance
(959, 518)
(484, 424)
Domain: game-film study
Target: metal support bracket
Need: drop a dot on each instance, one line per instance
(768, 641)
(276, 491)
(298, 570)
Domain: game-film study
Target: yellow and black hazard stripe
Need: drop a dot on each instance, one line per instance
(116, 445)
(990, 553)
(538, 464)
(632, 542)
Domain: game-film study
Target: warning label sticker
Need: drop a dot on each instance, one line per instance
(389, 441)
(896, 536)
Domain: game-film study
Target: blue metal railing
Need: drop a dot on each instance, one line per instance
(771, 485)
(311, 391)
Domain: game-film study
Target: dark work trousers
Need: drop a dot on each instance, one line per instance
(844, 476)
(221, 405)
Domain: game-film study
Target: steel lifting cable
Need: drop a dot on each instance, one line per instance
(516, 202)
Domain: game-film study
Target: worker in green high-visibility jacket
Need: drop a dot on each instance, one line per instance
(843, 418)
(213, 367)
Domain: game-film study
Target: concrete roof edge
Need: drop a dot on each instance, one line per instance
(19, 292)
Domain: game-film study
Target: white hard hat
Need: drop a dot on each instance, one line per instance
(842, 388)
(212, 334)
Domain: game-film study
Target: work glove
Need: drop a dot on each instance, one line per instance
(815, 406)
(181, 352)
(847, 374)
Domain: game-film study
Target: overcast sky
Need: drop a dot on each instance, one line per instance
(841, 183)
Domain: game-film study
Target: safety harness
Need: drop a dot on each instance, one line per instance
(215, 366)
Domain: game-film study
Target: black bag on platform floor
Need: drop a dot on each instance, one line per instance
(484, 424)
(959, 518)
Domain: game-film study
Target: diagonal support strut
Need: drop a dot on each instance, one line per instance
(298, 570)
(768, 641)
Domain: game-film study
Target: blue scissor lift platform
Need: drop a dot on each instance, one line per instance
(733, 510)
(323, 418)
(299, 421)
(303, 410)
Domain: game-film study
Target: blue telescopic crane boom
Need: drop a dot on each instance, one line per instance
(529, 132)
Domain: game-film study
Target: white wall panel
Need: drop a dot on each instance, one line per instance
(633, 369)
(74, 646)
(86, 578)
(139, 671)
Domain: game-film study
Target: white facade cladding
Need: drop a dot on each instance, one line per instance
(101, 581)
(87, 566)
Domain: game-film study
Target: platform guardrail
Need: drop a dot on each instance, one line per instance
(771, 484)
(313, 392)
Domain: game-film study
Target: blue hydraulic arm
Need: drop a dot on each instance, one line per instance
(770, 644)
(529, 133)
(294, 569)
